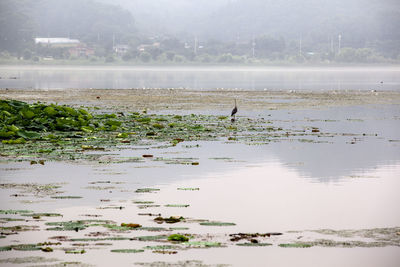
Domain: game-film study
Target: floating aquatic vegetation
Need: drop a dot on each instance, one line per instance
(250, 244)
(148, 206)
(66, 197)
(37, 190)
(42, 214)
(202, 244)
(75, 225)
(178, 228)
(75, 251)
(115, 238)
(177, 205)
(15, 211)
(26, 247)
(6, 248)
(33, 259)
(127, 250)
(217, 224)
(170, 252)
(154, 229)
(295, 245)
(188, 188)
(67, 133)
(188, 263)
(18, 228)
(147, 190)
(151, 237)
(47, 249)
(251, 236)
(182, 161)
(111, 208)
(171, 219)
(143, 202)
(178, 238)
(162, 247)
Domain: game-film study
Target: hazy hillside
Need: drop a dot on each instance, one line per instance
(175, 17)
(211, 30)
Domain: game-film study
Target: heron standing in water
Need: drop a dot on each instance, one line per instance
(234, 111)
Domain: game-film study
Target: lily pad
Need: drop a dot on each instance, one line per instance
(254, 244)
(117, 238)
(75, 251)
(147, 190)
(27, 260)
(66, 197)
(178, 238)
(217, 224)
(151, 237)
(202, 244)
(15, 211)
(44, 214)
(127, 250)
(162, 247)
(189, 188)
(177, 205)
(295, 245)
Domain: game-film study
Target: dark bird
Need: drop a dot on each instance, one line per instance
(234, 111)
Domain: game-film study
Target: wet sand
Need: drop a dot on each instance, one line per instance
(161, 100)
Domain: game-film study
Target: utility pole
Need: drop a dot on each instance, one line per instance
(113, 40)
(195, 45)
(340, 40)
(300, 46)
(254, 47)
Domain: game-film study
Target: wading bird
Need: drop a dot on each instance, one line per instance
(234, 111)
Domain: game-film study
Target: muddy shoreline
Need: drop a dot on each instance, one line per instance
(170, 100)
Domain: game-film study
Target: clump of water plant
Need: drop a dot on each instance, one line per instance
(178, 238)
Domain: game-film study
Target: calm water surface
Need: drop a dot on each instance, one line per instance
(280, 186)
(254, 78)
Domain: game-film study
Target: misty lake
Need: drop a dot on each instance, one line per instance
(311, 178)
(253, 78)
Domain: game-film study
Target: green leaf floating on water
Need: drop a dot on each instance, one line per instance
(147, 190)
(177, 205)
(127, 250)
(254, 244)
(217, 224)
(76, 251)
(295, 245)
(151, 237)
(15, 211)
(28, 134)
(178, 238)
(43, 214)
(116, 238)
(162, 247)
(202, 244)
(66, 197)
(189, 188)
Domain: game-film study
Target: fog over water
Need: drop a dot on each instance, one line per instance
(245, 78)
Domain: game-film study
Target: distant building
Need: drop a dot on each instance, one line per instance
(121, 49)
(81, 51)
(144, 47)
(57, 42)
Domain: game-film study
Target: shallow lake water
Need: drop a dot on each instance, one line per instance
(253, 78)
(292, 186)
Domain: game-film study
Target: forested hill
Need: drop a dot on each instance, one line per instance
(355, 20)
(86, 20)
(366, 30)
